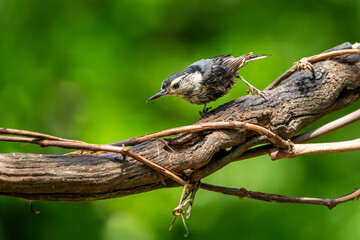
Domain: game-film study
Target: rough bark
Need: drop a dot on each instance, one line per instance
(302, 99)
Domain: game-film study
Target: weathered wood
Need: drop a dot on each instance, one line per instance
(299, 101)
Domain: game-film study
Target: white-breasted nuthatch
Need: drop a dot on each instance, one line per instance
(207, 79)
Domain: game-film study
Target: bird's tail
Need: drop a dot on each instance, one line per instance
(256, 57)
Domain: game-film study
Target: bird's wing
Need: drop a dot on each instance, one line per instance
(226, 66)
(256, 57)
(220, 57)
(230, 63)
(218, 72)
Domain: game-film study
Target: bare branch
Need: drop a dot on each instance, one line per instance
(95, 147)
(10, 131)
(268, 197)
(316, 148)
(325, 55)
(328, 128)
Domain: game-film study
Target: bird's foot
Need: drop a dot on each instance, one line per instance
(253, 89)
(205, 112)
(303, 64)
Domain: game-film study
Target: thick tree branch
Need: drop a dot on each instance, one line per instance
(65, 143)
(300, 100)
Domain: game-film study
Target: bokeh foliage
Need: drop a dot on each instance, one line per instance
(84, 69)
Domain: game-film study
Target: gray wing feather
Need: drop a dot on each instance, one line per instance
(219, 69)
(231, 63)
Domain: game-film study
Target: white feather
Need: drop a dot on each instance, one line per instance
(195, 79)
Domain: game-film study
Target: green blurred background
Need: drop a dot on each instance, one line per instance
(84, 69)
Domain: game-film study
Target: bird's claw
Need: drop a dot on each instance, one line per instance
(252, 89)
(303, 64)
(205, 112)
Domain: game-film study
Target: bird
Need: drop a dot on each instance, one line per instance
(208, 79)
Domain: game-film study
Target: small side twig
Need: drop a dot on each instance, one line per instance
(178, 211)
(328, 128)
(268, 197)
(187, 190)
(316, 148)
(25, 133)
(32, 209)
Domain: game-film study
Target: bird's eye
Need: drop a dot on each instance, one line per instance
(176, 85)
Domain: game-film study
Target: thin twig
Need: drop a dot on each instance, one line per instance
(316, 148)
(268, 197)
(274, 138)
(25, 133)
(192, 198)
(179, 210)
(325, 55)
(328, 128)
(310, 60)
(32, 208)
(281, 78)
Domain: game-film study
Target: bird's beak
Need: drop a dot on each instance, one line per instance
(159, 94)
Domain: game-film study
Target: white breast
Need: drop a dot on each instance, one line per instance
(196, 79)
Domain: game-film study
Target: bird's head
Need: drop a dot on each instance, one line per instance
(176, 84)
